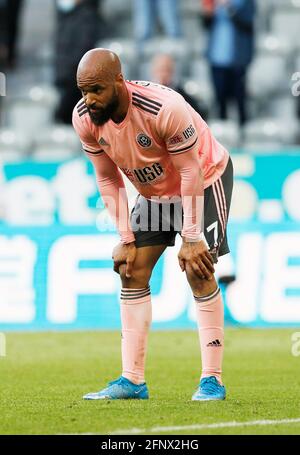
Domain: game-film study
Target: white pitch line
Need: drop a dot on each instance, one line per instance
(206, 426)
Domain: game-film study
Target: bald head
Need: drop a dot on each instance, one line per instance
(100, 80)
(98, 64)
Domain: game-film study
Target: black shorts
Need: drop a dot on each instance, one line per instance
(154, 223)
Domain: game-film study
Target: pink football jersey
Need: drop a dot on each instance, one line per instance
(159, 123)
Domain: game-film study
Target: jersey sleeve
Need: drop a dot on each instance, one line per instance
(109, 180)
(176, 127)
(88, 141)
(113, 192)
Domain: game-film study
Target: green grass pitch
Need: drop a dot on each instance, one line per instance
(44, 376)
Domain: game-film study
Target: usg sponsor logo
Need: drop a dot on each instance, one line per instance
(189, 132)
(144, 175)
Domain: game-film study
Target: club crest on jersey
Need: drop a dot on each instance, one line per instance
(143, 140)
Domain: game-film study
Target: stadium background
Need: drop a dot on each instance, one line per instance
(56, 239)
(59, 310)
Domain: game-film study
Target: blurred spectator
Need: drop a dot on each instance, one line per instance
(230, 50)
(3, 46)
(9, 30)
(77, 31)
(163, 72)
(147, 12)
(9, 27)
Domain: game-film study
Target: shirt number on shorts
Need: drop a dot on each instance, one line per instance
(214, 226)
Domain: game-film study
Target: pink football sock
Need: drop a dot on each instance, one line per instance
(136, 316)
(210, 318)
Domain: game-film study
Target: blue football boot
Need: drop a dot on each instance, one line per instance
(120, 389)
(209, 389)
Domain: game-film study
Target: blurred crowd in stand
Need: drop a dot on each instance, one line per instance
(232, 60)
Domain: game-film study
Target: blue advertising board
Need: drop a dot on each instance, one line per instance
(56, 242)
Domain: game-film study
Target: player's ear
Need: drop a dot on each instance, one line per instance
(119, 78)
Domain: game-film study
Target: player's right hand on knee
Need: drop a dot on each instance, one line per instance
(198, 258)
(124, 254)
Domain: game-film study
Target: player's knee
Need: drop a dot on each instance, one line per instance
(201, 286)
(205, 287)
(139, 278)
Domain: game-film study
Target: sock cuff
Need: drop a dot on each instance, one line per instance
(134, 294)
(207, 298)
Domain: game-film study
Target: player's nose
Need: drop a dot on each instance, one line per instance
(90, 102)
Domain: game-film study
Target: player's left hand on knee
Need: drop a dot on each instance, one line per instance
(195, 256)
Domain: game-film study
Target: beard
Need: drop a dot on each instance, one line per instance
(102, 115)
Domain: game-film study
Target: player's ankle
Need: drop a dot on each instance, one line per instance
(133, 379)
(216, 375)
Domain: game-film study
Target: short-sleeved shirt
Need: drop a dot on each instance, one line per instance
(159, 123)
